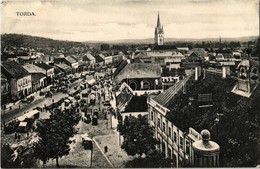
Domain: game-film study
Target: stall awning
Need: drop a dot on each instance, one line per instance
(91, 81)
(22, 124)
(31, 113)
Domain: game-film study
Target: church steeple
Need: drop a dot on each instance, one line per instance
(158, 33)
(158, 21)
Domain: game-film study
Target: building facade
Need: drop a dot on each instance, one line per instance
(20, 79)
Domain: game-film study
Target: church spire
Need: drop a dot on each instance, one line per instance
(158, 21)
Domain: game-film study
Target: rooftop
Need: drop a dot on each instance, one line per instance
(31, 68)
(13, 69)
(139, 70)
(164, 47)
(167, 96)
(37, 76)
(137, 104)
(70, 59)
(43, 65)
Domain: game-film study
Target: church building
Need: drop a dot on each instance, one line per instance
(159, 33)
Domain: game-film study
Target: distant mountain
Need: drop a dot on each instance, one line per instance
(151, 40)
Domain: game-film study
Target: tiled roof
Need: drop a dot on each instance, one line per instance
(70, 59)
(37, 76)
(139, 70)
(141, 55)
(122, 99)
(166, 96)
(90, 57)
(33, 68)
(14, 69)
(99, 58)
(43, 65)
(119, 67)
(62, 66)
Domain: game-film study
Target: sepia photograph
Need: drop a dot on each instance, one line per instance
(130, 83)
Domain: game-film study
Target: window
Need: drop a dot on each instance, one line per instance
(175, 137)
(164, 126)
(181, 142)
(159, 122)
(187, 147)
(152, 115)
(170, 132)
(169, 153)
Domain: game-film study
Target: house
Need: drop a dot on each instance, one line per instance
(64, 68)
(166, 55)
(99, 59)
(69, 60)
(5, 89)
(48, 71)
(19, 78)
(45, 59)
(37, 81)
(140, 78)
(171, 76)
(200, 52)
(89, 59)
(36, 73)
(131, 105)
(108, 59)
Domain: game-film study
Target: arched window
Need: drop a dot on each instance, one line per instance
(254, 70)
(243, 70)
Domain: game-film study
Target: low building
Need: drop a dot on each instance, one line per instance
(89, 59)
(37, 81)
(140, 78)
(69, 60)
(19, 78)
(171, 76)
(48, 71)
(5, 90)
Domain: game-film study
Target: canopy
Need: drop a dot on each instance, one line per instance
(85, 137)
(91, 81)
(21, 118)
(31, 113)
(22, 124)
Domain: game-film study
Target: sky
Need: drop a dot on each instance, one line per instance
(108, 20)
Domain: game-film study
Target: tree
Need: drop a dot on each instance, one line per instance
(54, 134)
(154, 159)
(138, 136)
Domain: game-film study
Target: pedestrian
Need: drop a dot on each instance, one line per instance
(15, 136)
(106, 149)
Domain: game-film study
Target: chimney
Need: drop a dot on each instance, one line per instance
(204, 73)
(197, 72)
(224, 71)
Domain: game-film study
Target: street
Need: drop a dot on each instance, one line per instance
(105, 129)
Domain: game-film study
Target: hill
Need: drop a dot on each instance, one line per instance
(34, 41)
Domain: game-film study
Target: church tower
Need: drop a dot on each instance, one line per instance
(158, 33)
